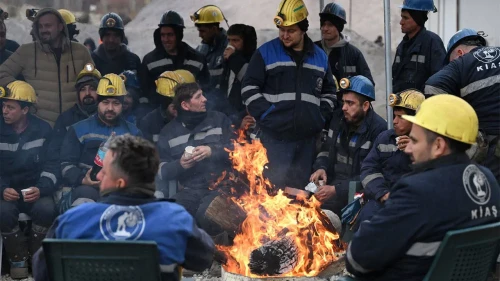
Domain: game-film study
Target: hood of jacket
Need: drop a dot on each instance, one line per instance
(65, 44)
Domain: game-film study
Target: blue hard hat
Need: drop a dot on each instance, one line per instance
(131, 79)
(358, 84)
(335, 10)
(463, 34)
(419, 5)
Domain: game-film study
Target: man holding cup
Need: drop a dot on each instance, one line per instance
(28, 175)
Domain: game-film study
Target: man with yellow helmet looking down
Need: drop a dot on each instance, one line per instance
(386, 162)
(28, 175)
(289, 90)
(445, 191)
(84, 138)
(154, 121)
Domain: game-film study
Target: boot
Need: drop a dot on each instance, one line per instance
(16, 249)
(37, 235)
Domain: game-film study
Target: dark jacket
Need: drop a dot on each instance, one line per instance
(158, 61)
(181, 243)
(11, 45)
(401, 240)
(346, 60)
(215, 131)
(82, 142)
(63, 123)
(383, 166)
(4, 55)
(341, 155)
(215, 60)
(289, 99)
(475, 78)
(124, 60)
(416, 60)
(234, 71)
(25, 159)
(151, 124)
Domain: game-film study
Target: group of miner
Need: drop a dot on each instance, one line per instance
(172, 118)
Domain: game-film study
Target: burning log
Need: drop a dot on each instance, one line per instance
(275, 257)
(226, 213)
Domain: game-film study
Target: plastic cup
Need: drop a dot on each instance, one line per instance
(24, 191)
(188, 152)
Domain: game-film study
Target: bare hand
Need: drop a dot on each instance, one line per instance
(32, 195)
(384, 198)
(87, 181)
(187, 163)
(201, 152)
(10, 194)
(325, 192)
(318, 175)
(228, 52)
(402, 142)
(247, 122)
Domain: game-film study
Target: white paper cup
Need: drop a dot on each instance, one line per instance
(24, 191)
(188, 152)
(230, 47)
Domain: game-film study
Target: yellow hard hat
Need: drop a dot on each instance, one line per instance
(449, 116)
(410, 99)
(290, 12)
(112, 85)
(67, 16)
(186, 75)
(208, 14)
(18, 90)
(89, 70)
(167, 81)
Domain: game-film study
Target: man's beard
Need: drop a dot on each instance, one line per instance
(112, 119)
(46, 40)
(356, 118)
(89, 100)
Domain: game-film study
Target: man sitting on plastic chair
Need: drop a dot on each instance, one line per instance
(445, 191)
(129, 211)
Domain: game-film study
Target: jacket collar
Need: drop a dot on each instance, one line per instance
(406, 39)
(6, 129)
(99, 121)
(121, 198)
(448, 160)
(101, 52)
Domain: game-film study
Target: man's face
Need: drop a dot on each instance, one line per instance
(354, 111)
(418, 148)
(128, 103)
(49, 28)
(107, 175)
(197, 103)
(109, 110)
(12, 111)
(111, 40)
(3, 36)
(401, 126)
(168, 39)
(88, 95)
(236, 41)
(329, 32)
(408, 25)
(291, 36)
(207, 33)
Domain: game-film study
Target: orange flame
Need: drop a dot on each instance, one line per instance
(268, 216)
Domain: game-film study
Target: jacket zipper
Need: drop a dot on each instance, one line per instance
(58, 79)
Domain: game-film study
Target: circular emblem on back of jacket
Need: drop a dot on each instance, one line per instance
(476, 185)
(122, 223)
(487, 54)
(110, 22)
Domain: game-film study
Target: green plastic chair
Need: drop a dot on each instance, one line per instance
(464, 255)
(90, 260)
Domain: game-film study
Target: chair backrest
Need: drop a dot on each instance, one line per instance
(85, 260)
(466, 254)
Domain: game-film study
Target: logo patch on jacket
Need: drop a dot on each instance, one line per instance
(487, 54)
(476, 185)
(319, 84)
(122, 223)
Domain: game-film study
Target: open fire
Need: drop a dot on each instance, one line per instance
(279, 236)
